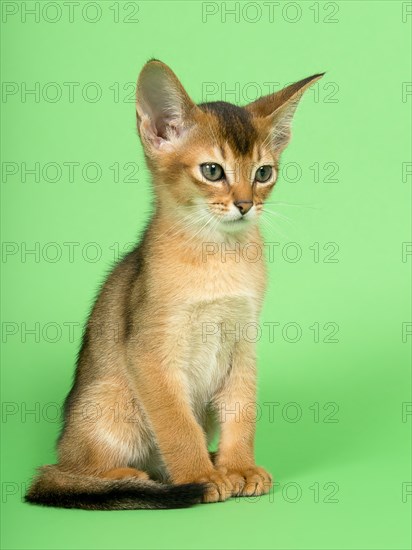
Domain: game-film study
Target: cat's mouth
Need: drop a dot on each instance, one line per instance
(235, 221)
(235, 224)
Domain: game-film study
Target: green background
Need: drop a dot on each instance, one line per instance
(336, 440)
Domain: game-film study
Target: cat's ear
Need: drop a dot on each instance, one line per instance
(277, 110)
(164, 110)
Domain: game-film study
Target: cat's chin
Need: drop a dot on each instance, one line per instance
(235, 226)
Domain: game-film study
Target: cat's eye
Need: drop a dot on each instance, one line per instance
(212, 171)
(263, 174)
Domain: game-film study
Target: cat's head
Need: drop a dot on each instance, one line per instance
(213, 164)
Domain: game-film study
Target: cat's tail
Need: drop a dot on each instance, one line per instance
(56, 487)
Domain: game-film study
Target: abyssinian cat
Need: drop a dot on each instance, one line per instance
(152, 384)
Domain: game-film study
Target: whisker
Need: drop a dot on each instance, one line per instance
(192, 218)
(282, 203)
(201, 229)
(272, 226)
(279, 215)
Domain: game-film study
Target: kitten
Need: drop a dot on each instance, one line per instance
(155, 371)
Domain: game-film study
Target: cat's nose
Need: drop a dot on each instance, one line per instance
(243, 206)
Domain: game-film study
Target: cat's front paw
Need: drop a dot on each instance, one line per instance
(252, 481)
(219, 486)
